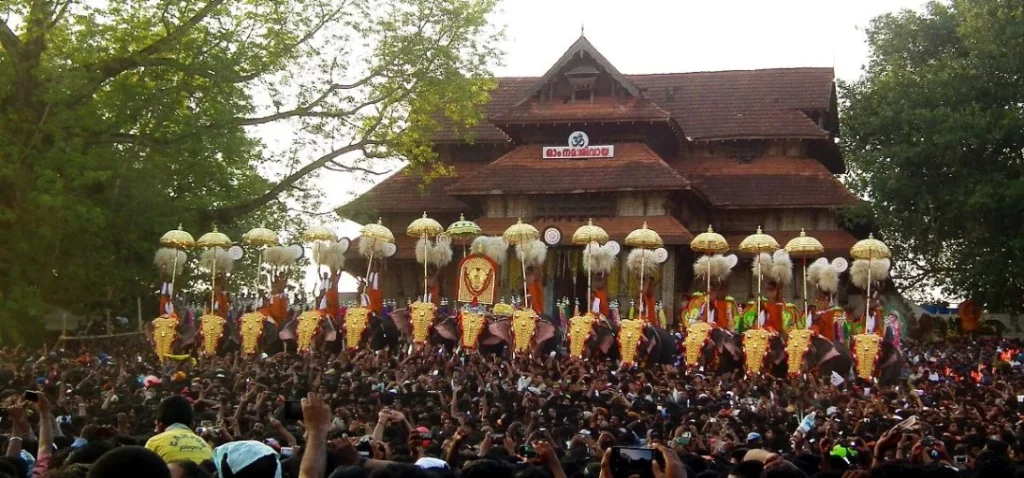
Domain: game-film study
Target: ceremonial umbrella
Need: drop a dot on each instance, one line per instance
(213, 240)
(757, 244)
(463, 231)
(424, 228)
(643, 238)
(260, 237)
(870, 249)
(804, 247)
(375, 232)
(177, 239)
(517, 235)
(586, 235)
(709, 243)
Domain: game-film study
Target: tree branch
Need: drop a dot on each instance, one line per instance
(60, 13)
(307, 109)
(227, 213)
(112, 67)
(9, 40)
(344, 168)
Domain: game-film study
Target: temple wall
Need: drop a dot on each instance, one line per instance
(777, 220)
(640, 204)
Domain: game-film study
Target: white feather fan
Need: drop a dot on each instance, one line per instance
(782, 268)
(164, 260)
(720, 267)
(333, 256)
(532, 253)
(633, 261)
(859, 271)
(602, 258)
(368, 246)
(434, 253)
(494, 247)
(279, 256)
(224, 261)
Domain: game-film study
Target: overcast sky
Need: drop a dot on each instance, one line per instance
(662, 36)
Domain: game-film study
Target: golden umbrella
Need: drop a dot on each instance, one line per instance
(463, 231)
(870, 249)
(375, 232)
(176, 239)
(709, 243)
(517, 235)
(644, 238)
(804, 246)
(213, 240)
(424, 228)
(260, 238)
(584, 236)
(757, 244)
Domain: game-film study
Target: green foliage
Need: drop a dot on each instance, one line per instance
(934, 134)
(120, 119)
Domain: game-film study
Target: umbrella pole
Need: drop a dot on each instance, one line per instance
(526, 293)
(174, 273)
(590, 288)
(757, 317)
(213, 284)
(642, 267)
(369, 264)
(707, 313)
(425, 260)
(805, 293)
(867, 300)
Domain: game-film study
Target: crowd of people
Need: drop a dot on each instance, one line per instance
(110, 409)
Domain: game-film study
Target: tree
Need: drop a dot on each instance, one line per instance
(934, 135)
(119, 119)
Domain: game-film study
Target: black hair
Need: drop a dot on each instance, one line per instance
(264, 467)
(191, 469)
(130, 461)
(487, 469)
(174, 409)
(747, 469)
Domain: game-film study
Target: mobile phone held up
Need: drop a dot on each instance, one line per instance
(627, 462)
(31, 396)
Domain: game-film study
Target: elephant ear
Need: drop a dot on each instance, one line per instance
(839, 264)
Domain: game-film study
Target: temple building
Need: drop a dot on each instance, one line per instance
(681, 151)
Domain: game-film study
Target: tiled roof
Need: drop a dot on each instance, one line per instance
(837, 243)
(765, 182)
(671, 231)
(403, 193)
(602, 109)
(716, 105)
(635, 167)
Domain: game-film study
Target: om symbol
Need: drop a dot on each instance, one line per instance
(577, 140)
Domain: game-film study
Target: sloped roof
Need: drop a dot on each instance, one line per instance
(522, 171)
(601, 109)
(670, 230)
(580, 47)
(404, 193)
(718, 105)
(765, 182)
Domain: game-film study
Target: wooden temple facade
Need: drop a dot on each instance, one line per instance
(733, 149)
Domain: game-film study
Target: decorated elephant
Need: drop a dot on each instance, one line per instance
(257, 333)
(171, 334)
(311, 329)
(642, 343)
(216, 335)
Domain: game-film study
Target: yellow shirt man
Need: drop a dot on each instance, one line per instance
(177, 442)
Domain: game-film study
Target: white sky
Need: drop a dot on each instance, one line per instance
(659, 36)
